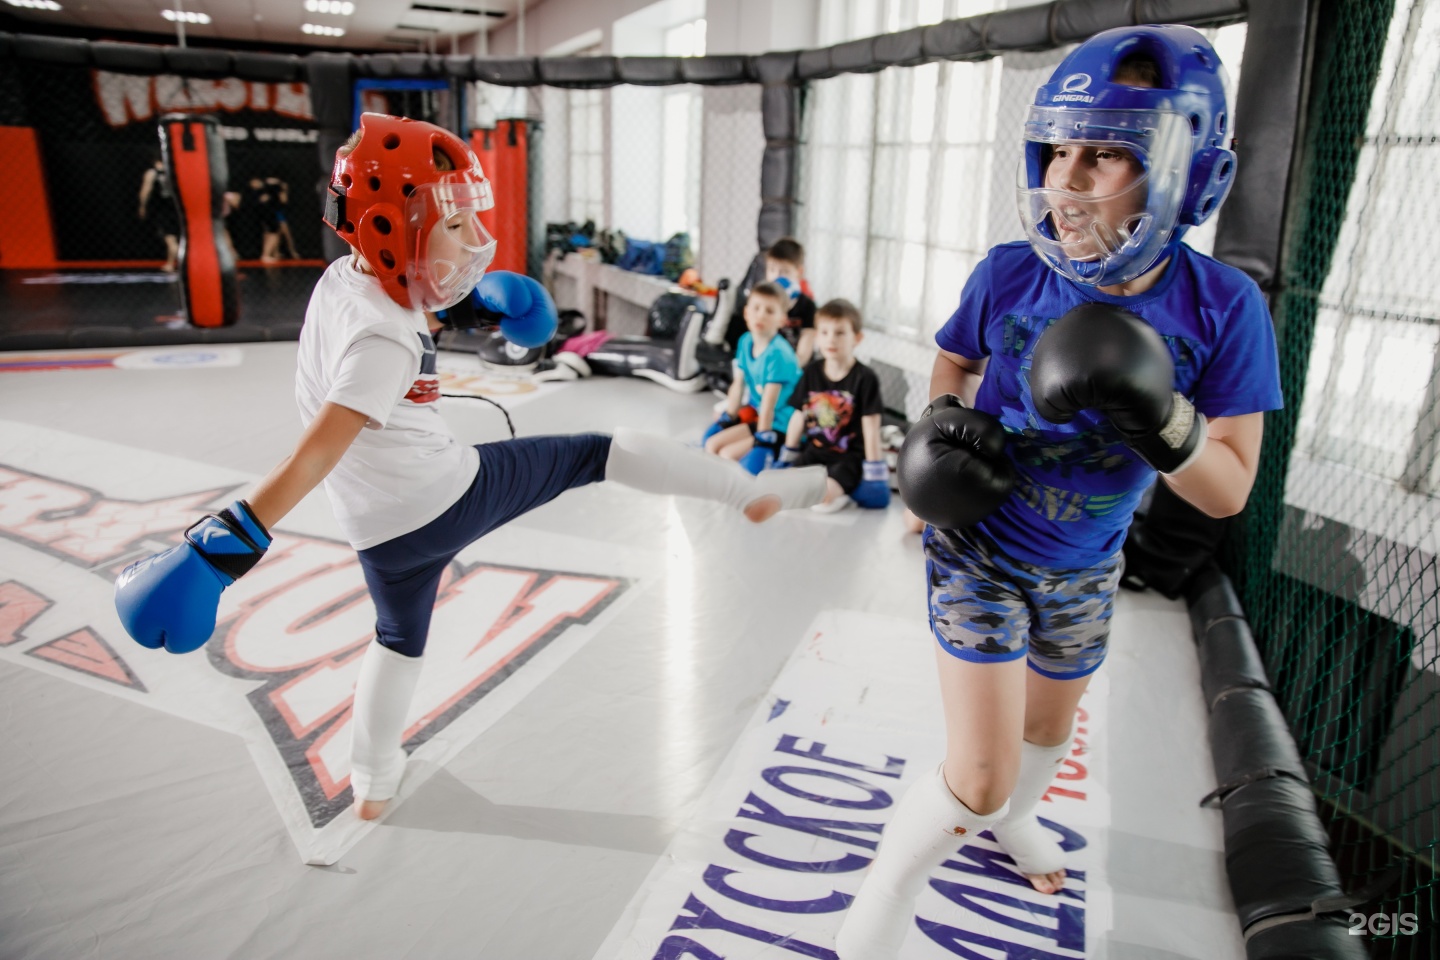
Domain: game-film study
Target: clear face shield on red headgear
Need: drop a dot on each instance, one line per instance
(415, 222)
(451, 248)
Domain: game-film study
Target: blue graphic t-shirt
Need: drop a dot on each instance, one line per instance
(776, 364)
(1077, 484)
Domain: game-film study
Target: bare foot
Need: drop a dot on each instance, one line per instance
(762, 508)
(371, 809)
(1047, 882)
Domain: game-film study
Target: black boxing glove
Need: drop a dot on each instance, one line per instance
(1102, 358)
(952, 468)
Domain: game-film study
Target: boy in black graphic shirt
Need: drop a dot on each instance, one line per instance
(839, 399)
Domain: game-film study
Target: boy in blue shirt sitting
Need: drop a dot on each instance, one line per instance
(757, 409)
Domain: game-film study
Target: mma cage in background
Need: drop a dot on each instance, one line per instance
(889, 152)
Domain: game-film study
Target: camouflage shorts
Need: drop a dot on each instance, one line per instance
(986, 606)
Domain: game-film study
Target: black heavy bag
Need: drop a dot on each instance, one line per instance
(1168, 544)
(195, 165)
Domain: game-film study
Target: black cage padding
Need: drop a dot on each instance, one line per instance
(62, 50)
(331, 77)
(1229, 660)
(408, 66)
(1249, 738)
(257, 67)
(1277, 857)
(1323, 938)
(130, 57)
(650, 71)
(1210, 596)
(1276, 852)
(1251, 230)
(579, 72)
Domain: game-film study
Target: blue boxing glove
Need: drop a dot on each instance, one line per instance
(520, 305)
(169, 600)
(873, 493)
(790, 288)
(764, 453)
(726, 421)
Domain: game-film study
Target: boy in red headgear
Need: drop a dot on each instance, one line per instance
(407, 196)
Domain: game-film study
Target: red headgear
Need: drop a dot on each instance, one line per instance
(417, 226)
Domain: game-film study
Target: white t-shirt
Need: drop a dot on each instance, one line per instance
(363, 351)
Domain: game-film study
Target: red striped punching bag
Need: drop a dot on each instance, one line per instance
(194, 155)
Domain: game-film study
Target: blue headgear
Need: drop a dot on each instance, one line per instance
(1176, 131)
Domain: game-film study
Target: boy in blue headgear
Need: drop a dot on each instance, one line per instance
(1090, 358)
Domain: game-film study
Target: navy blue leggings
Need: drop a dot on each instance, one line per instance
(515, 476)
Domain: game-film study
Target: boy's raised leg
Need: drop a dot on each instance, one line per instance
(658, 465)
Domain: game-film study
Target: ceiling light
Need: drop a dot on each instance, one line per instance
(337, 7)
(320, 30)
(35, 4)
(185, 16)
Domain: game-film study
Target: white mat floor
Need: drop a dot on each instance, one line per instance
(568, 794)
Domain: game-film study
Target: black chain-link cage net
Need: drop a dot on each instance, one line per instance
(1335, 562)
(98, 245)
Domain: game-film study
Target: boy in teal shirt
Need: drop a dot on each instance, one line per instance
(756, 415)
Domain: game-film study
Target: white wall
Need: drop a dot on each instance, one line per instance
(553, 23)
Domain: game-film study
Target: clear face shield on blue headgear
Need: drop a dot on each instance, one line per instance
(1086, 221)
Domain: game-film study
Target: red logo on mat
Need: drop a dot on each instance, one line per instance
(86, 652)
(298, 623)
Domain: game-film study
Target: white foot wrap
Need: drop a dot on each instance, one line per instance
(657, 465)
(1033, 848)
(382, 700)
(928, 824)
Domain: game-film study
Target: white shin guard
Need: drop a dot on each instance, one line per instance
(659, 465)
(1033, 848)
(928, 824)
(382, 701)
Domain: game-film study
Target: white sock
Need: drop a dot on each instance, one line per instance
(928, 824)
(658, 465)
(382, 700)
(1033, 848)
(834, 506)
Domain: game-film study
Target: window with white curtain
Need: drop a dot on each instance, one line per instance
(897, 171)
(681, 140)
(573, 164)
(586, 155)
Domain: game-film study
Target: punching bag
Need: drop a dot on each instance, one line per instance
(502, 152)
(194, 155)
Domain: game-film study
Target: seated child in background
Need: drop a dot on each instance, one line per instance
(785, 265)
(839, 425)
(765, 375)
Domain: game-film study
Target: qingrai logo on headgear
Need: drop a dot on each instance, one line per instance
(1074, 89)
